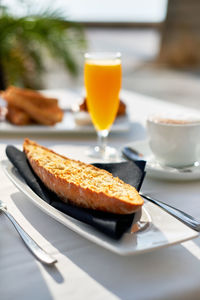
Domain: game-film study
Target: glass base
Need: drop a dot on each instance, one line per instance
(106, 154)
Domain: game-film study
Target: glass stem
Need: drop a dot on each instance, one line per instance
(102, 139)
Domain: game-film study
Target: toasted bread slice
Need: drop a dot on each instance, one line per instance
(32, 94)
(81, 184)
(39, 108)
(17, 116)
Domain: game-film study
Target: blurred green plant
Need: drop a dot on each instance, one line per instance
(25, 40)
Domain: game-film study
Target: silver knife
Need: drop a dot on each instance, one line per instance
(39, 253)
(190, 221)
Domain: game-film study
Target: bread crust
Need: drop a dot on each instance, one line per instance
(17, 116)
(82, 194)
(32, 94)
(39, 108)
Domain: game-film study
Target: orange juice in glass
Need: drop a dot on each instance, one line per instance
(102, 76)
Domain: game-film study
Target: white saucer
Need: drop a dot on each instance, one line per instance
(154, 169)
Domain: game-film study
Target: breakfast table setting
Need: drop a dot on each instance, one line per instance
(157, 259)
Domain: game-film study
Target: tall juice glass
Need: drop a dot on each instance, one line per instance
(102, 76)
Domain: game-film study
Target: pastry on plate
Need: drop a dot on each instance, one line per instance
(33, 105)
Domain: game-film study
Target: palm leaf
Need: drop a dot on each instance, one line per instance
(23, 40)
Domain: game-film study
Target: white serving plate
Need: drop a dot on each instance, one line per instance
(67, 125)
(67, 99)
(154, 169)
(158, 228)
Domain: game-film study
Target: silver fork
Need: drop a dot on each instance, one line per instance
(39, 253)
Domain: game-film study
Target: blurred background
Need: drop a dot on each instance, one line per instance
(42, 44)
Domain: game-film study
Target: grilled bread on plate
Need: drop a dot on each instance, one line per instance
(80, 183)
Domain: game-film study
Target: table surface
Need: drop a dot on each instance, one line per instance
(85, 270)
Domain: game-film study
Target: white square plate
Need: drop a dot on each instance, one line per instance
(157, 228)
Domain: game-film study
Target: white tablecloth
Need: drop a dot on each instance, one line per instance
(85, 270)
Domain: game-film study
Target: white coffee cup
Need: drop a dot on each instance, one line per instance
(175, 141)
